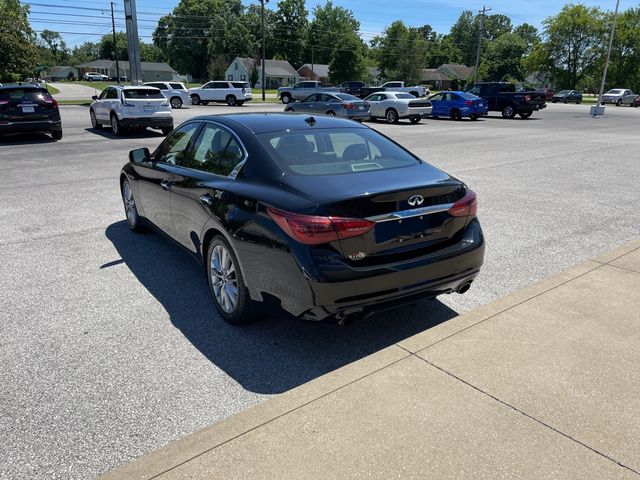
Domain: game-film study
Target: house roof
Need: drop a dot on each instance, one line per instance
(272, 68)
(318, 69)
(433, 75)
(149, 66)
(459, 71)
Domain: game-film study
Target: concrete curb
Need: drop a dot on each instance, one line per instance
(184, 450)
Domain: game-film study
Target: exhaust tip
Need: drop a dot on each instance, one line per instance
(464, 288)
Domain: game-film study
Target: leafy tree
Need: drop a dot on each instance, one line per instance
(348, 61)
(18, 53)
(84, 53)
(624, 69)
(529, 34)
(150, 53)
(573, 43)
(253, 21)
(53, 49)
(442, 50)
(464, 35)
(105, 47)
(329, 25)
(400, 52)
(200, 35)
(503, 59)
(290, 30)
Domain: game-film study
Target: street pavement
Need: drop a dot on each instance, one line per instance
(73, 91)
(110, 344)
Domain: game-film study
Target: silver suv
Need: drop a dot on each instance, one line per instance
(176, 92)
(127, 108)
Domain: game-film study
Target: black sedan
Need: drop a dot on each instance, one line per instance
(567, 96)
(317, 216)
(29, 108)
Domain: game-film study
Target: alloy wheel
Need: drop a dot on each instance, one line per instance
(224, 278)
(129, 205)
(176, 102)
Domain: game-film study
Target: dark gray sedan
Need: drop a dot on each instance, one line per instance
(567, 96)
(335, 104)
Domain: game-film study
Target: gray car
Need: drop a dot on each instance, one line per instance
(338, 104)
(619, 96)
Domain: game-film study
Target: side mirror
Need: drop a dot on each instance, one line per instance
(94, 97)
(139, 155)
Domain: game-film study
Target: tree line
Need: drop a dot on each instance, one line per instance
(201, 37)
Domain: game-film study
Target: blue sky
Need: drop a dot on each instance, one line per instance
(374, 15)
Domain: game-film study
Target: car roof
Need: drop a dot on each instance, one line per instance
(28, 86)
(132, 87)
(273, 122)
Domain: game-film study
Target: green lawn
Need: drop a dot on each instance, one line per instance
(52, 90)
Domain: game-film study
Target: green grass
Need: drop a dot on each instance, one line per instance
(83, 103)
(52, 90)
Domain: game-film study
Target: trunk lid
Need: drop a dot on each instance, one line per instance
(408, 206)
(144, 102)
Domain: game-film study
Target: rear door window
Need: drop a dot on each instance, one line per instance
(216, 151)
(177, 86)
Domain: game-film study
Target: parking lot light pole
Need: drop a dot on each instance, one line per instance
(599, 108)
(264, 49)
(115, 46)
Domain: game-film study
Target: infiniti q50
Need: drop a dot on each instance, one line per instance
(322, 216)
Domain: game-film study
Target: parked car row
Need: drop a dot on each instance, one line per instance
(302, 90)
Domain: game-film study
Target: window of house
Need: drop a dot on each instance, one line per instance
(243, 77)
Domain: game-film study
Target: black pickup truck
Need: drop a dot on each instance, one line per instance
(502, 97)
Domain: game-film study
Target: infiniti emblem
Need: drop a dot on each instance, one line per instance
(415, 200)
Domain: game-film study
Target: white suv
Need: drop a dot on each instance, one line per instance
(175, 92)
(95, 76)
(233, 93)
(131, 107)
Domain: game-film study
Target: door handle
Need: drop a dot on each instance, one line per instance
(206, 200)
(165, 184)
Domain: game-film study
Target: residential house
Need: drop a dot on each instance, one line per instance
(435, 79)
(151, 71)
(277, 72)
(458, 72)
(62, 72)
(314, 71)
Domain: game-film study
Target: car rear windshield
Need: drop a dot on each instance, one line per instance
(405, 95)
(142, 93)
(24, 94)
(334, 151)
(564, 92)
(177, 86)
(240, 84)
(346, 96)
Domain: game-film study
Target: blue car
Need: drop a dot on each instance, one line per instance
(456, 105)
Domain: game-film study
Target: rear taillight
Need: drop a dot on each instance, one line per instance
(466, 206)
(4, 102)
(314, 230)
(349, 106)
(469, 102)
(51, 101)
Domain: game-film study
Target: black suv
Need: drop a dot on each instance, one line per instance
(29, 108)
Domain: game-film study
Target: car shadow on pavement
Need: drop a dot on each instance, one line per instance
(25, 138)
(275, 353)
(107, 133)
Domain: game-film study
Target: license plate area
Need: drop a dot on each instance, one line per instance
(27, 108)
(361, 107)
(149, 108)
(410, 228)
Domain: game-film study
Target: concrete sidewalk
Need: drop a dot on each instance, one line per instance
(543, 383)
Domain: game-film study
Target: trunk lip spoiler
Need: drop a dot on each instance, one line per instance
(414, 212)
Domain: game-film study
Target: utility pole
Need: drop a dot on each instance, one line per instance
(115, 46)
(133, 41)
(482, 13)
(264, 49)
(312, 62)
(599, 108)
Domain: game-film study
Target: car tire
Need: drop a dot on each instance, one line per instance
(454, 114)
(94, 121)
(475, 117)
(565, 101)
(391, 115)
(331, 113)
(226, 282)
(526, 114)
(176, 102)
(117, 129)
(285, 98)
(56, 134)
(508, 112)
(289, 109)
(195, 99)
(415, 120)
(204, 102)
(240, 103)
(130, 208)
(231, 100)
(619, 103)
(166, 130)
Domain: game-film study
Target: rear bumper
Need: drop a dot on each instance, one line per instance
(304, 291)
(153, 122)
(35, 126)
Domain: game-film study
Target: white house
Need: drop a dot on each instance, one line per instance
(277, 72)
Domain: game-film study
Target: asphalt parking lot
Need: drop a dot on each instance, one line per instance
(102, 361)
